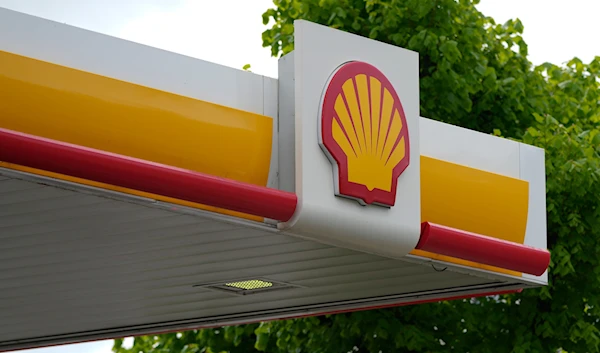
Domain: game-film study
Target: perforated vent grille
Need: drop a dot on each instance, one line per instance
(248, 286)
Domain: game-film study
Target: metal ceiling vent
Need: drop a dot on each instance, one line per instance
(248, 286)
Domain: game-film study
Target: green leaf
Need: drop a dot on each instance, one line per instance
(262, 339)
(450, 51)
(518, 25)
(508, 80)
(417, 41)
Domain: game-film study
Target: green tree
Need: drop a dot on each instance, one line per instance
(474, 73)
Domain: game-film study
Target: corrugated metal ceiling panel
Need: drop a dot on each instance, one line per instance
(73, 262)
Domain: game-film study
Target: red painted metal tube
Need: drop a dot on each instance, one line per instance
(483, 249)
(104, 167)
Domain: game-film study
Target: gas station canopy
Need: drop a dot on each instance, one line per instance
(143, 191)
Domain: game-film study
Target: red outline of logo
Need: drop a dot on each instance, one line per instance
(334, 152)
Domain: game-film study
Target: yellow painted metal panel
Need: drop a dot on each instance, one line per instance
(475, 201)
(69, 105)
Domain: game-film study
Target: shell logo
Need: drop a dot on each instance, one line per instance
(363, 132)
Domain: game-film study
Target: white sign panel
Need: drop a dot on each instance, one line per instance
(356, 121)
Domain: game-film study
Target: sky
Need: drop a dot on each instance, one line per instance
(229, 33)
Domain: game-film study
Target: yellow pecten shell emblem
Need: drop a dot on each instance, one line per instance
(364, 131)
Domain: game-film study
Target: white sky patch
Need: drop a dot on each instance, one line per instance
(128, 342)
(89, 347)
(555, 30)
(224, 32)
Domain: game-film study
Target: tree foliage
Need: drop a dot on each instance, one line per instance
(473, 73)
